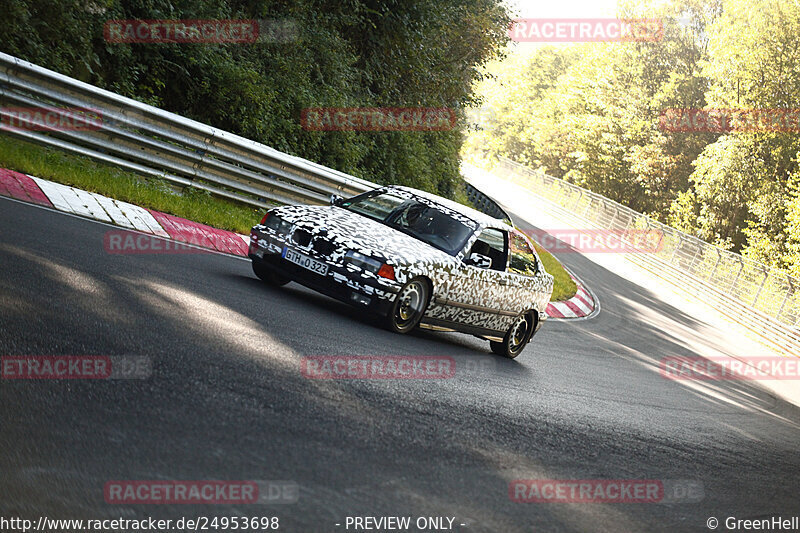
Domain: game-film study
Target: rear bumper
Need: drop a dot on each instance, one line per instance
(342, 282)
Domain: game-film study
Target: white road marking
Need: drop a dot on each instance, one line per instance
(582, 306)
(87, 202)
(110, 225)
(113, 211)
(99, 207)
(563, 309)
(53, 193)
(141, 219)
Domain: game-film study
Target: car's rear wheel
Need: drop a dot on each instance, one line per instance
(268, 275)
(516, 337)
(409, 306)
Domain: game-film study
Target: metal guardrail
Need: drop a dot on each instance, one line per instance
(153, 142)
(187, 153)
(751, 293)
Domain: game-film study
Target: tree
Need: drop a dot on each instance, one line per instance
(348, 53)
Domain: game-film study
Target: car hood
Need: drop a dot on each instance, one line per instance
(348, 230)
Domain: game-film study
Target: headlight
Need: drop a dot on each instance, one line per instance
(274, 222)
(362, 261)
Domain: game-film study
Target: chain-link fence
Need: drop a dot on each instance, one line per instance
(770, 293)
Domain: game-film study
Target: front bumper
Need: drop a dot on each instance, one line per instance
(343, 282)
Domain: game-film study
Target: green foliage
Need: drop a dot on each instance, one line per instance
(792, 228)
(589, 113)
(353, 53)
(113, 182)
(348, 53)
(564, 286)
(754, 63)
(726, 176)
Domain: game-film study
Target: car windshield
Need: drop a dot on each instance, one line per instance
(422, 220)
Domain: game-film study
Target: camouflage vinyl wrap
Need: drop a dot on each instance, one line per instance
(462, 295)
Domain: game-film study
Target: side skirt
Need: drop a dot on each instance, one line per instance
(438, 324)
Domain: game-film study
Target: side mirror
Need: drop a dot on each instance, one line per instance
(478, 260)
(336, 199)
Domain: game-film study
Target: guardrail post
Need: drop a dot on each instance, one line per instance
(785, 296)
(675, 250)
(580, 195)
(630, 223)
(697, 253)
(660, 238)
(741, 267)
(758, 293)
(588, 206)
(719, 258)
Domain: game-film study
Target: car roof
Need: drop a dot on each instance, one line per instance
(481, 218)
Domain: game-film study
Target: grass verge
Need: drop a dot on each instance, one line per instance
(564, 286)
(108, 180)
(192, 204)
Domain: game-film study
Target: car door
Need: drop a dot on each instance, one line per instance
(523, 272)
(476, 296)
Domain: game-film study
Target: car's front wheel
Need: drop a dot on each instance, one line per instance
(516, 337)
(409, 306)
(265, 274)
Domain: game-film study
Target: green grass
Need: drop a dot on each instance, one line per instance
(192, 204)
(111, 181)
(564, 287)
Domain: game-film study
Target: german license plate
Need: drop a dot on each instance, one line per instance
(304, 261)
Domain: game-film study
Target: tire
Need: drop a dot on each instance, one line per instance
(268, 276)
(408, 307)
(516, 338)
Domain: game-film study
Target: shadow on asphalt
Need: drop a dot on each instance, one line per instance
(226, 400)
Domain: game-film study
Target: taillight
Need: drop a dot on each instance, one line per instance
(386, 271)
(266, 216)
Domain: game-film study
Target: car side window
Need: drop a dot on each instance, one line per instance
(523, 259)
(492, 243)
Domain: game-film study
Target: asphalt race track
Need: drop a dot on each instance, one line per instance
(227, 400)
